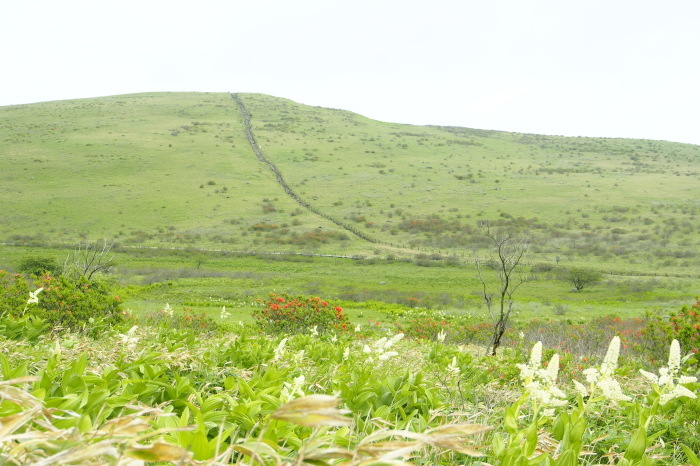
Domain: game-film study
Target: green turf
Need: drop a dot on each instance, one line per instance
(175, 171)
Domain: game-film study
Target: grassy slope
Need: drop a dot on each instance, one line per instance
(175, 170)
(581, 198)
(172, 169)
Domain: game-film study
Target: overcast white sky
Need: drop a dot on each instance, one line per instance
(612, 68)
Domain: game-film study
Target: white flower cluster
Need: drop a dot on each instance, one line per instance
(224, 314)
(291, 390)
(669, 379)
(279, 351)
(129, 339)
(381, 346)
(453, 369)
(603, 379)
(298, 357)
(34, 296)
(441, 336)
(541, 383)
(167, 309)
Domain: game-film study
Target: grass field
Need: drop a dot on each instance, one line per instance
(175, 171)
(205, 281)
(211, 206)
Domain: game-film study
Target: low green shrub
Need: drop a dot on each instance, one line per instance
(284, 313)
(662, 328)
(39, 265)
(62, 302)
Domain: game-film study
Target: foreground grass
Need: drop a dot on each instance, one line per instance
(177, 395)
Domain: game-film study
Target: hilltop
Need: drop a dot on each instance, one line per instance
(179, 170)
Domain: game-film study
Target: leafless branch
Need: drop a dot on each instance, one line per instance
(89, 259)
(506, 261)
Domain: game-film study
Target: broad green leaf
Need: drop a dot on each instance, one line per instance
(558, 426)
(690, 456)
(511, 423)
(530, 439)
(637, 446)
(498, 445)
(85, 424)
(568, 458)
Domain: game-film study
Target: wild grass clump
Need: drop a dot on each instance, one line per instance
(168, 318)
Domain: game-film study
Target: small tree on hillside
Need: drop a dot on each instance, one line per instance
(505, 263)
(583, 278)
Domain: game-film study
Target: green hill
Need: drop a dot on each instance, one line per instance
(178, 170)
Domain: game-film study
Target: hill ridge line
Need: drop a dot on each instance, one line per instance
(280, 178)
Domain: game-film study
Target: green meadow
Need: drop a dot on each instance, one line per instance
(175, 171)
(298, 285)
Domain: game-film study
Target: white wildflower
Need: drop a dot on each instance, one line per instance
(674, 357)
(603, 379)
(298, 357)
(669, 379)
(441, 336)
(552, 371)
(393, 340)
(388, 354)
(290, 390)
(610, 361)
(527, 371)
(591, 375)
(653, 378)
(314, 331)
(379, 344)
(380, 348)
(453, 368)
(357, 328)
(224, 313)
(612, 390)
(541, 382)
(279, 351)
(167, 309)
(677, 392)
(346, 353)
(129, 339)
(581, 388)
(34, 296)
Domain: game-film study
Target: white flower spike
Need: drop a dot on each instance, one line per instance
(670, 379)
(34, 296)
(603, 379)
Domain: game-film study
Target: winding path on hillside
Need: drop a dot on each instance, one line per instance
(280, 179)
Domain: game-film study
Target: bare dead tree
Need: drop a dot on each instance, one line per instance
(89, 259)
(505, 262)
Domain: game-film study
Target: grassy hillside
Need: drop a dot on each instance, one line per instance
(176, 170)
(155, 169)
